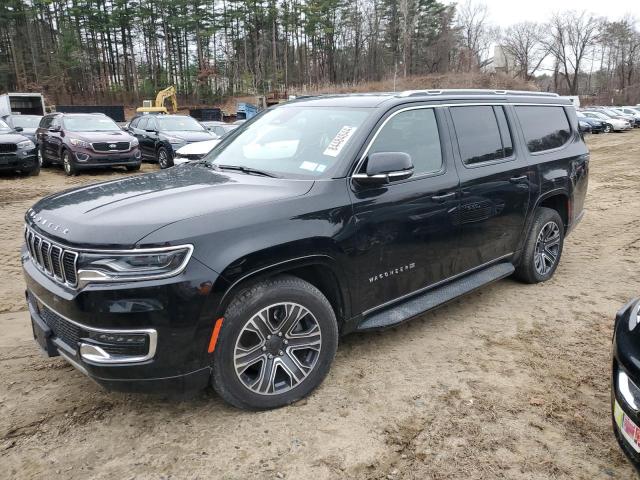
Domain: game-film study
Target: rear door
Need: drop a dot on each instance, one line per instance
(405, 234)
(496, 183)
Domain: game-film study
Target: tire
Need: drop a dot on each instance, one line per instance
(133, 168)
(41, 160)
(68, 164)
(543, 247)
(607, 128)
(35, 171)
(164, 158)
(289, 298)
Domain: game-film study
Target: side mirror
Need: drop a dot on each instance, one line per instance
(150, 130)
(386, 167)
(18, 129)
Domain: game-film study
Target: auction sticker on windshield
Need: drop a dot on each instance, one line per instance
(629, 430)
(339, 141)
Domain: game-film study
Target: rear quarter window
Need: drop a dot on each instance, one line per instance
(544, 128)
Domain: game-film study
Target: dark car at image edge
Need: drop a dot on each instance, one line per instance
(316, 218)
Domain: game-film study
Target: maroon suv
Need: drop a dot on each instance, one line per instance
(85, 140)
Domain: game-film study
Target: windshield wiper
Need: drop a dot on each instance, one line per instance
(247, 170)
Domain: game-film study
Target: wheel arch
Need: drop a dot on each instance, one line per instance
(320, 270)
(557, 200)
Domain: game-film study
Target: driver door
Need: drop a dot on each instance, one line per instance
(406, 236)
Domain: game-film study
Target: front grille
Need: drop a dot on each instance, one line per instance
(66, 331)
(54, 260)
(111, 146)
(8, 147)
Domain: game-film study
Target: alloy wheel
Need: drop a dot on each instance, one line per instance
(40, 157)
(277, 348)
(163, 158)
(66, 163)
(547, 248)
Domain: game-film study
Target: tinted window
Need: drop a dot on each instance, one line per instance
(544, 128)
(479, 136)
(414, 132)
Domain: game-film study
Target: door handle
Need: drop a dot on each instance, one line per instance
(519, 179)
(443, 197)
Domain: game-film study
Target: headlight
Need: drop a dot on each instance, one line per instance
(135, 142)
(175, 140)
(628, 390)
(27, 144)
(76, 142)
(142, 264)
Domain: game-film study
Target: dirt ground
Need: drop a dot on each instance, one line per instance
(510, 382)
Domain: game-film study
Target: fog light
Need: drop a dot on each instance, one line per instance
(118, 338)
(629, 391)
(82, 157)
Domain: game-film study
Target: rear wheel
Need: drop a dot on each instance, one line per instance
(68, 164)
(607, 128)
(164, 158)
(543, 247)
(276, 344)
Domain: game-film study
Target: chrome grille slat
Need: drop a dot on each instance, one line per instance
(55, 261)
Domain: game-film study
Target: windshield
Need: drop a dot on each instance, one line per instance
(601, 116)
(4, 126)
(185, 124)
(293, 142)
(90, 123)
(26, 121)
(611, 113)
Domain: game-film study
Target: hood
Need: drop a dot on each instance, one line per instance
(121, 212)
(198, 148)
(12, 138)
(188, 136)
(114, 136)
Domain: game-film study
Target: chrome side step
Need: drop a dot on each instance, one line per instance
(436, 297)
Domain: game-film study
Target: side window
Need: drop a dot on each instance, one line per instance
(45, 122)
(544, 128)
(414, 132)
(142, 123)
(133, 123)
(479, 137)
(151, 124)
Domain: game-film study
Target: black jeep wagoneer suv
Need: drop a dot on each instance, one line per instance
(316, 218)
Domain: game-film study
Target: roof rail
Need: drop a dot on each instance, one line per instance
(474, 91)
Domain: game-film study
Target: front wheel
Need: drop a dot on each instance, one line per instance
(68, 164)
(41, 160)
(543, 247)
(607, 128)
(164, 158)
(276, 344)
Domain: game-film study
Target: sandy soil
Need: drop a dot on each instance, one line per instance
(510, 382)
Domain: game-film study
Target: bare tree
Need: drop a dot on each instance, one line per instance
(571, 36)
(476, 34)
(523, 43)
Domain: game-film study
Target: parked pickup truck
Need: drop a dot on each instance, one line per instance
(321, 216)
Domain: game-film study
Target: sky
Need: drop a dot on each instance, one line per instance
(506, 12)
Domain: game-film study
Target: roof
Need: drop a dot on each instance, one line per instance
(372, 100)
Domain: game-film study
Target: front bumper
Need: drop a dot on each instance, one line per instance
(19, 160)
(625, 377)
(90, 328)
(87, 158)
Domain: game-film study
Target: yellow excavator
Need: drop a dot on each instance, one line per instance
(168, 93)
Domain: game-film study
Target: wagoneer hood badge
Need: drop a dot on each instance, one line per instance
(43, 222)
